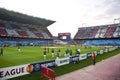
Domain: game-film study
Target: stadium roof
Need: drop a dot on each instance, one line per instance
(23, 18)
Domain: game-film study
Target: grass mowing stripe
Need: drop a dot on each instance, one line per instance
(69, 67)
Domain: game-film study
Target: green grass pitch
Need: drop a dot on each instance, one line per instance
(32, 54)
(69, 67)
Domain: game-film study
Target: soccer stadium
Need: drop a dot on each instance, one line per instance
(29, 51)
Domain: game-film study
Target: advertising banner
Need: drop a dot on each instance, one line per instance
(82, 56)
(89, 55)
(111, 49)
(14, 71)
(101, 51)
(62, 61)
(36, 66)
(74, 58)
(106, 50)
(98, 52)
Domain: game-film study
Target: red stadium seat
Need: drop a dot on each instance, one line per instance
(3, 32)
(22, 33)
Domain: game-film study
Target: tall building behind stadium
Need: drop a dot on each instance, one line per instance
(17, 29)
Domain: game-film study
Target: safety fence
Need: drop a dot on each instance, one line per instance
(47, 72)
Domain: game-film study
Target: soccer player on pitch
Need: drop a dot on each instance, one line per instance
(59, 52)
(52, 52)
(1, 51)
(19, 50)
(44, 53)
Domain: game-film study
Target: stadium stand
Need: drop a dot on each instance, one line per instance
(22, 33)
(23, 29)
(20, 29)
(110, 31)
(95, 32)
(12, 32)
(117, 32)
(103, 42)
(3, 32)
(103, 35)
(2, 25)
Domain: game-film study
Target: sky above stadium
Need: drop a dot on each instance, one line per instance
(68, 14)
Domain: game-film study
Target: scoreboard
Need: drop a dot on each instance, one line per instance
(64, 36)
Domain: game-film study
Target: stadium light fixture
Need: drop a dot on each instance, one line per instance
(84, 24)
(117, 19)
